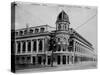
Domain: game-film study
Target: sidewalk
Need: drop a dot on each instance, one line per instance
(88, 65)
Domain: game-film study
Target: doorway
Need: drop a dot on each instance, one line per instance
(39, 59)
(58, 59)
(64, 59)
(33, 60)
(49, 60)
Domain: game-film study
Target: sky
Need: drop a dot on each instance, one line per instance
(82, 18)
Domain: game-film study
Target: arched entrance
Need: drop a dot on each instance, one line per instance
(39, 59)
(68, 59)
(64, 59)
(58, 59)
(49, 60)
(33, 60)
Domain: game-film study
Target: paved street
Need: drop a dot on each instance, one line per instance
(62, 67)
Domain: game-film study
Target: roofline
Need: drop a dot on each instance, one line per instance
(34, 27)
(81, 36)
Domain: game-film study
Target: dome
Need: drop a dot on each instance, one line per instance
(63, 17)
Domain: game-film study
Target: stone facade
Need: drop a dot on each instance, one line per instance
(31, 45)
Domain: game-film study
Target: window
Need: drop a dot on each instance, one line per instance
(65, 26)
(59, 27)
(17, 58)
(34, 46)
(36, 30)
(21, 32)
(58, 39)
(42, 29)
(16, 33)
(19, 47)
(23, 58)
(40, 45)
(29, 46)
(25, 31)
(23, 47)
(31, 31)
(28, 58)
(59, 48)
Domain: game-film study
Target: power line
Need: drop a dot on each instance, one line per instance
(86, 21)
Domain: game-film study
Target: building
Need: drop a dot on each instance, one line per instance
(32, 45)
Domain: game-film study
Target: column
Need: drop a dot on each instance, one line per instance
(46, 60)
(61, 27)
(43, 45)
(74, 51)
(61, 56)
(31, 59)
(16, 45)
(31, 46)
(37, 45)
(21, 46)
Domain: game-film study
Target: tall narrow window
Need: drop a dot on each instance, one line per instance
(34, 46)
(29, 46)
(18, 47)
(59, 27)
(16, 33)
(21, 32)
(40, 45)
(65, 26)
(36, 30)
(23, 47)
(42, 29)
(31, 31)
(59, 48)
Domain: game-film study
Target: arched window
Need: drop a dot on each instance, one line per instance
(42, 29)
(34, 46)
(59, 48)
(59, 27)
(36, 30)
(65, 26)
(31, 30)
(58, 39)
(16, 33)
(19, 47)
(23, 47)
(64, 59)
(29, 46)
(25, 31)
(40, 45)
(21, 32)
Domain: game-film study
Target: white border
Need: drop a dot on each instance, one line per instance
(5, 24)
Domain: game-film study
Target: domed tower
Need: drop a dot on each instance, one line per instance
(62, 22)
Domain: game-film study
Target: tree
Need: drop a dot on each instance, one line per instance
(52, 45)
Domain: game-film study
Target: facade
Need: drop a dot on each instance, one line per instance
(32, 45)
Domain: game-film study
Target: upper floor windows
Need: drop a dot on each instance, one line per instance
(30, 31)
(23, 47)
(42, 29)
(16, 33)
(36, 30)
(59, 27)
(29, 46)
(18, 47)
(21, 32)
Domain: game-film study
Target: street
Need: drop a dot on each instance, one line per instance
(79, 66)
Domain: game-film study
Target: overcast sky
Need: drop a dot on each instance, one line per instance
(36, 15)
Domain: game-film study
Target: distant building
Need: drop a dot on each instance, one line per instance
(32, 45)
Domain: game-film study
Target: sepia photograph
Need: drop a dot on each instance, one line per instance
(53, 37)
